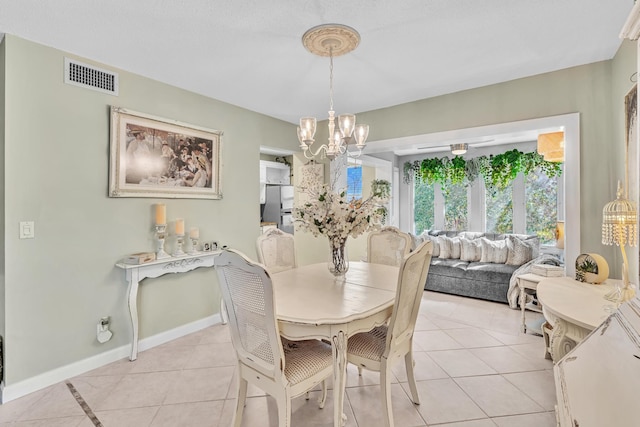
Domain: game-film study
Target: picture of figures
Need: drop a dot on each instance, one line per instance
(152, 157)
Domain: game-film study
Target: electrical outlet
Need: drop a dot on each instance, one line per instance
(102, 330)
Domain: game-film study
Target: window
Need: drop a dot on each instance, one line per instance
(354, 183)
(423, 206)
(499, 210)
(529, 205)
(455, 207)
(541, 205)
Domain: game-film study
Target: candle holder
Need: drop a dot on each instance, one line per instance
(179, 242)
(194, 246)
(161, 234)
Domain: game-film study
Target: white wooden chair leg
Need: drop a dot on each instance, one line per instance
(360, 370)
(223, 313)
(284, 410)
(385, 385)
(323, 398)
(409, 365)
(241, 401)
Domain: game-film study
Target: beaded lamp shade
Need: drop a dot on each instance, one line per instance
(620, 227)
(620, 221)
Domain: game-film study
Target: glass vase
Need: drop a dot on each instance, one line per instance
(338, 262)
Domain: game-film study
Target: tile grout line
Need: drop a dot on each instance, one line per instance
(85, 407)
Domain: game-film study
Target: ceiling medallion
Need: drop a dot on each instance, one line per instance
(331, 40)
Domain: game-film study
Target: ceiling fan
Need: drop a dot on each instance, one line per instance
(457, 147)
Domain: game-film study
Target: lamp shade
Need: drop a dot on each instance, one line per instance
(554, 156)
(551, 146)
(560, 235)
(620, 222)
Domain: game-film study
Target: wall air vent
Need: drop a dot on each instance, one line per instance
(85, 75)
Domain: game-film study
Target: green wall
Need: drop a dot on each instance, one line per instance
(56, 159)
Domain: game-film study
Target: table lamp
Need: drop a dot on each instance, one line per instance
(620, 227)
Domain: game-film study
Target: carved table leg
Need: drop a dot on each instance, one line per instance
(133, 313)
(560, 344)
(339, 350)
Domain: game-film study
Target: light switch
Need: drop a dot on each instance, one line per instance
(27, 230)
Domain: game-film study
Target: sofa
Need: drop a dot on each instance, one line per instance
(477, 265)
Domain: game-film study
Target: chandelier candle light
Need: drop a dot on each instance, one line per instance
(161, 230)
(332, 40)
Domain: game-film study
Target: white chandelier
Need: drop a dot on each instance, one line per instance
(332, 40)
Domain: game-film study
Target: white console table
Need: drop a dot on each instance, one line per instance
(134, 274)
(573, 309)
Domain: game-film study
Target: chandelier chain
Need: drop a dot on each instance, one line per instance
(331, 78)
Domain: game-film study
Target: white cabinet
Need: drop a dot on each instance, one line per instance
(274, 173)
(263, 192)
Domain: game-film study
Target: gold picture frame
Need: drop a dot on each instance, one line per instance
(156, 157)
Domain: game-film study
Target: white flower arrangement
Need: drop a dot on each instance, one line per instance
(331, 214)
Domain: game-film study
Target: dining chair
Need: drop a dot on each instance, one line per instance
(284, 369)
(380, 348)
(388, 246)
(276, 250)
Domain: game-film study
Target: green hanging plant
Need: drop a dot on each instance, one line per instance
(497, 171)
(473, 167)
(455, 171)
(504, 168)
(433, 170)
(411, 171)
(533, 160)
(381, 188)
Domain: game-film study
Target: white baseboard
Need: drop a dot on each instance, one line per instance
(22, 388)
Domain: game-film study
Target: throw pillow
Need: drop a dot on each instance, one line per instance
(436, 246)
(417, 240)
(494, 251)
(470, 249)
(519, 251)
(449, 247)
(532, 240)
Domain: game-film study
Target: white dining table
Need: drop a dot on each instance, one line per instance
(312, 303)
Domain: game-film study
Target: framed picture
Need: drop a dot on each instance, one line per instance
(156, 157)
(631, 135)
(632, 142)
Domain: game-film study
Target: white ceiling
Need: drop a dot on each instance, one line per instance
(249, 52)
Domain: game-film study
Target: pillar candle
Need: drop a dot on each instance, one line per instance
(180, 226)
(194, 233)
(161, 214)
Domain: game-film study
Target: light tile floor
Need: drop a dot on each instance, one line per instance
(473, 367)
